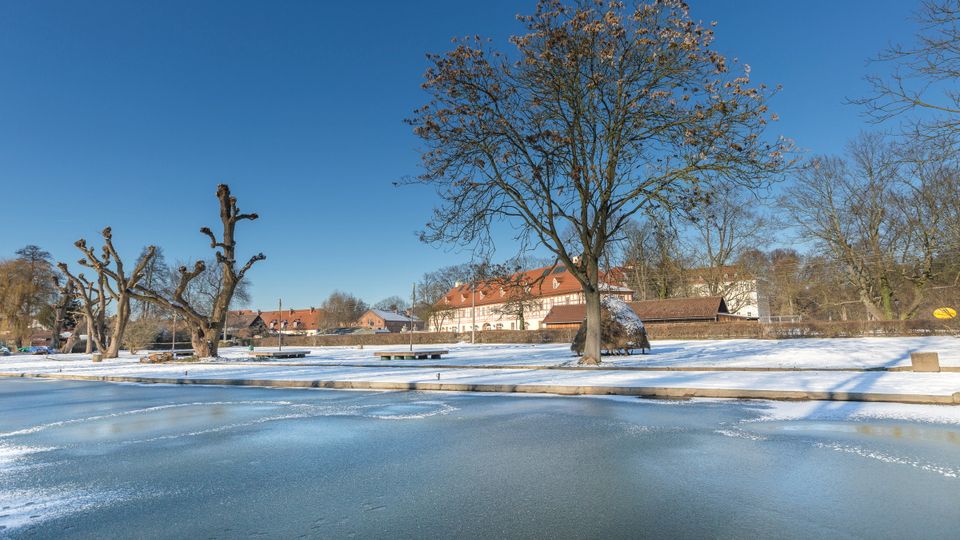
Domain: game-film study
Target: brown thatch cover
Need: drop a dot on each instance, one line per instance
(671, 309)
(620, 329)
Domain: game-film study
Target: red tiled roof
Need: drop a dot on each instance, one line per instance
(546, 281)
(670, 309)
(620, 273)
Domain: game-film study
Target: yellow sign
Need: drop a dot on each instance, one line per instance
(945, 313)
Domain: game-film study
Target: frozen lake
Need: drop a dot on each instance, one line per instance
(89, 460)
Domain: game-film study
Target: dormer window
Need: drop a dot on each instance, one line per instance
(556, 283)
(502, 292)
(482, 294)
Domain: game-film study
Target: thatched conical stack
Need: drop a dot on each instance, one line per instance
(621, 329)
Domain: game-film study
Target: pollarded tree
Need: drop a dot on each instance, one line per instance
(206, 326)
(116, 282)
(603, 112)
(94, 302)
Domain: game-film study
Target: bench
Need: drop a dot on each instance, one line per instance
(410, 355)
(181, 353)
(280, 354)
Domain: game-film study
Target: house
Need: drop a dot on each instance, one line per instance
(391, 321)
(245, 324)
(711, 309)
(499, 304)
(745, 294)
(304, 322)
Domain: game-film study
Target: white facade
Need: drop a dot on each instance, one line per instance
(488, 317)
(744, 297)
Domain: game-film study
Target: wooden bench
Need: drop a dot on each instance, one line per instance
(180, 353)
(279, 354)
(410, 355)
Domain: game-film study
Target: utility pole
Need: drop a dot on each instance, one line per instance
(280, 324)
(473, 312)
(410, 314)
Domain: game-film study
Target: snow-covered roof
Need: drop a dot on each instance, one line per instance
(393, 316)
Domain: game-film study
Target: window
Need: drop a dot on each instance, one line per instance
(556, 283)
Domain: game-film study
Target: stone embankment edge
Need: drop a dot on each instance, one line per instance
(604, 367)
(563, 390)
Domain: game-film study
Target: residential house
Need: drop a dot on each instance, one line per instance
(303, 322)
(391, 321)
(744, 293)
(496, 304)
(245, 324)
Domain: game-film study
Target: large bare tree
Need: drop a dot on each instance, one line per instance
(115, 281)
(925, 77)
(601, 113)
(206, 326)
(881, 214)
(94, 303)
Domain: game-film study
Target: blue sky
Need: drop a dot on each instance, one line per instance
(129, 113)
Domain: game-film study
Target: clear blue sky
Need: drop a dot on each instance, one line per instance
(129, 113)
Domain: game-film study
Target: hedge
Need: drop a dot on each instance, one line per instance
(659, 331)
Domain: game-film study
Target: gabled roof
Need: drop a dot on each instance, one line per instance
(670, 309)
(241, 319)
(705, 307)
(296, 319)
(545, 281)
(392, 316)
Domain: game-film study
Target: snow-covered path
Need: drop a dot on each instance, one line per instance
(341, 367)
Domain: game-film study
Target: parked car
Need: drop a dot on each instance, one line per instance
(41, 349)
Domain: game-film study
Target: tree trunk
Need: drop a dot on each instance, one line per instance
(119, 327)
(591, 348)
(204, 341)
(88, 349)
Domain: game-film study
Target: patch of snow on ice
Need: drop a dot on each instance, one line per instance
(947, 472)
(27, 507)
(61, 423)
(820, 410)
(740, 434)
(11, 454)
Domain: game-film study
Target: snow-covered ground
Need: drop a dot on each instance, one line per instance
(857, 353)
(517, 365)
(849, 353)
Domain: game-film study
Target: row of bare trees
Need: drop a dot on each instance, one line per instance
(199, 294)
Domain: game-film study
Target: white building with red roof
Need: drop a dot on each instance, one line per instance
(493, 304)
